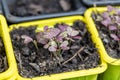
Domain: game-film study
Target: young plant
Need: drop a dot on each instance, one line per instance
(57, 39)
(111, 20)
(28, 39)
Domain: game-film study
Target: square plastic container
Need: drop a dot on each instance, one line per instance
(79, 9)
(89, 74)
(113, 64)
(4, 34)
(101, 3)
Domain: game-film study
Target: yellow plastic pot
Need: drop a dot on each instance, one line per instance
(4, 34)
(113, 64)
(90, 74)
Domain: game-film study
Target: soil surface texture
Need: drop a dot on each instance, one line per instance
(3, 58)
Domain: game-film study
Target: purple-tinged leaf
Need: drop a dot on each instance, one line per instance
(106, 22)
(117, 19)
(115, 37)
(77, 37)
(65, 48)
(105, 15)
(42, 41)
(118, 11)
(52, 46)
(46, 46)
(48, 35)
(59, 38)
(52, 49)
(64, 45)
(110, 8)
(72, 32)
(53, 32)
(40, 38)
(27, 39)
(112, 28)
(63, 27)
(69, 30)
(56, 31)
(46, 28)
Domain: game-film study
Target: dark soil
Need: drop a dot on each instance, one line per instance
(112, 46)
(3, 58)
(33, 62)
(35, 7)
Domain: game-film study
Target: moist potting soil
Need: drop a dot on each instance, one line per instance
(3, 58)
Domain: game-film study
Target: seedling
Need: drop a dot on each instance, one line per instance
(111, 20)
(57, 39)
(108, 25)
